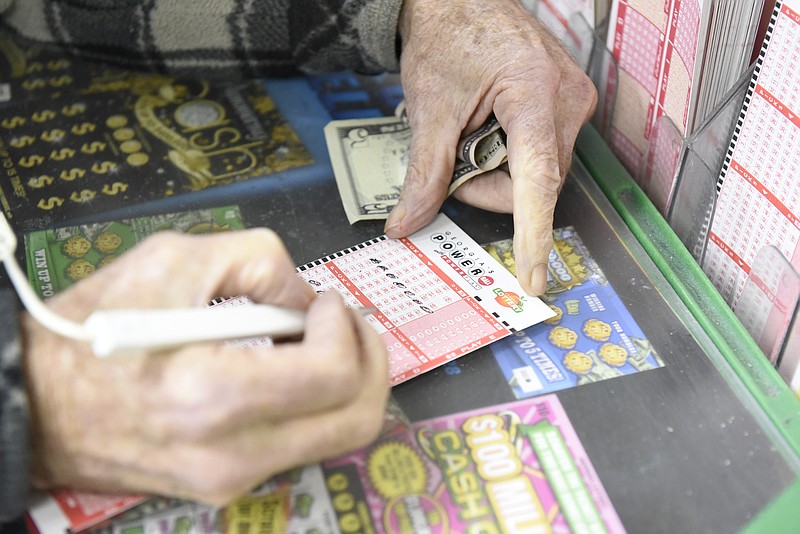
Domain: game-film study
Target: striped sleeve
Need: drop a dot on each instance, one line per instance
(14, 441)
(222, 37)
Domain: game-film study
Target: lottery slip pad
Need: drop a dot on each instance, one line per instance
(438, 295)
(759, 188)
(676, 58)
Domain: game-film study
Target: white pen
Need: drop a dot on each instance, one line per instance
(115, 332)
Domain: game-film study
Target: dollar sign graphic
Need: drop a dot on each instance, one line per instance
(13, 122)
(72, 174)
(35, 83)
(52, 136)
(19, 142)
(73, 109)
(83, 128)
(93, 147)
(52, 202)
(84, 196)
(40, 181)
(104, 167)
(115, 188)
(57, 64)
(44, 115)
(62, 154)
(30, 161)
(61, 81)
(34, 67)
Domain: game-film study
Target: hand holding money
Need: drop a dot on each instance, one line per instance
(502, 67)
(462, 62)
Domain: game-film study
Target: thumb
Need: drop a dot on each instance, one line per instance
(430, 169)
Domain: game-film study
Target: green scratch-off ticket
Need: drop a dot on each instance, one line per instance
(59, 257)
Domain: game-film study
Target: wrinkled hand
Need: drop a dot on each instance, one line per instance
(205, 421)
(460, 62)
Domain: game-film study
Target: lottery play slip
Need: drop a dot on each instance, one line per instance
(438, 295)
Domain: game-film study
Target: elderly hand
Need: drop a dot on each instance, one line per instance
(460, 62)
(205, 421)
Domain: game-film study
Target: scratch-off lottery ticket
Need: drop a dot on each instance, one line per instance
(439, 295)
(66, 510)
(77, 139)
(592, 336)
(59, 257)
(516, 467)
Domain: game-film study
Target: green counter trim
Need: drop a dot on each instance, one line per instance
(782, 516)
(694, 288)
(705, 303)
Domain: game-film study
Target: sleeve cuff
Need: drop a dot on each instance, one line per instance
(377, 24)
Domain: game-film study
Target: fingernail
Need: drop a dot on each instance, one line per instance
(539, 279)
(395, 218)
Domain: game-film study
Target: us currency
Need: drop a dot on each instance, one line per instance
(481, 151)
(370, 158)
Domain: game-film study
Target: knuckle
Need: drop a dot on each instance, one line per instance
(258, 272)
(172, 425)
(165, 408)
(415, 172)
(428, 185)
(543, 68)
(270, 265)
(550, 68)
(218, 478)
(161, 239)
(268, 237)
(343, 377)
(419, 172)
(161, 245)
(585, 93)
(547, 176)
(368, 429)
(355, 432)
(158, 428)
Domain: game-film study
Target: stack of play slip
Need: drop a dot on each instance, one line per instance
(676, 58)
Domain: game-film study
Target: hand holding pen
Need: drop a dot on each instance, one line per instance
(200, 421)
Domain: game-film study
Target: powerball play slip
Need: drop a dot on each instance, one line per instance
(439, 295)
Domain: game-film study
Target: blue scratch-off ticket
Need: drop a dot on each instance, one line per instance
(593, 337)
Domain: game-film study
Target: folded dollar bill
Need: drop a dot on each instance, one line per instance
(370, 158)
